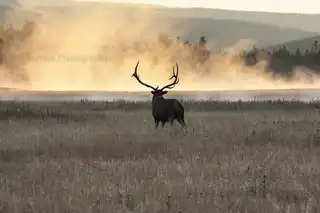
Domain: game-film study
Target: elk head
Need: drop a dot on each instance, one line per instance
(156, 92)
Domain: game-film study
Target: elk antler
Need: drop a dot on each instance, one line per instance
(176, 79)
(135, 74)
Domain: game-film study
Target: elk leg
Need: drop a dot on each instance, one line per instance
(156, 124)
(181, 121)
(171, 122)
(163, 123)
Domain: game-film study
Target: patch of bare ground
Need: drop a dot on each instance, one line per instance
(114, 161)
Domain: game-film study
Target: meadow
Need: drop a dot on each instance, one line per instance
(107, 157)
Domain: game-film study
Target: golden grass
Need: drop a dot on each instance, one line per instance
(114, 161)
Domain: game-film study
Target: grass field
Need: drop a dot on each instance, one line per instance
(107, 157)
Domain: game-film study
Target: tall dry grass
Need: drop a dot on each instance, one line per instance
(114, 161)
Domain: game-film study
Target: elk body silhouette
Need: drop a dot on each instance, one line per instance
(164, 110)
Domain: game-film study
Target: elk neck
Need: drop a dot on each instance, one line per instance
(154, 98)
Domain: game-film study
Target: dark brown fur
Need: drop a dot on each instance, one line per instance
(164, 110)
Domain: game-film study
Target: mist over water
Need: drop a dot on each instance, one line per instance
(89, 49)
(302, 95)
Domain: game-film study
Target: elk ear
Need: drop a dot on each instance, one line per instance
(164, 92)
(152, 92)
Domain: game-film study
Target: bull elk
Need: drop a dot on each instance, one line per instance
(164, 110)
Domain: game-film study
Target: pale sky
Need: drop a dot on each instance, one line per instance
(285, 6)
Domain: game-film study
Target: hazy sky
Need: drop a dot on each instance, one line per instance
(292, 6)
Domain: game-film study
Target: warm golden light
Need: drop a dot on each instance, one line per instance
(92, 50)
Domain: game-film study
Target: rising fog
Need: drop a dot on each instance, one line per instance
(88, 48)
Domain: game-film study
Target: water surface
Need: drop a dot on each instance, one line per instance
(258, 95)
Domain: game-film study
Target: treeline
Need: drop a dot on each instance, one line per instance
(280, 60)
(13, 42)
